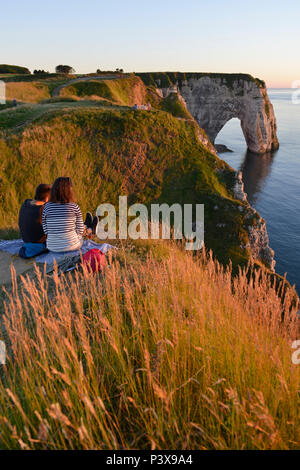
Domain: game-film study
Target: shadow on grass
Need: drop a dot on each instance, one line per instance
(9, 233)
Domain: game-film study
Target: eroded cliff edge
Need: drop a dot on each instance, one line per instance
(214, 99)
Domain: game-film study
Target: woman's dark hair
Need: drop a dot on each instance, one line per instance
(62, 191)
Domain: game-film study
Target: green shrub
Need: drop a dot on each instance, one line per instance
(4, 68)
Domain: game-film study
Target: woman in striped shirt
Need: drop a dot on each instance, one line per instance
(62, 218)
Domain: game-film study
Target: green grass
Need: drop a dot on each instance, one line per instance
(33, 78)
(125, 91)
(177, 108)
(9, 234)
(7, 105)
(16, 116)
(55, 82)
(91, 88)
(13, 69)
(21, 116)
(60, 99)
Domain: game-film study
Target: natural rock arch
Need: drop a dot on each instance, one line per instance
(214, 99)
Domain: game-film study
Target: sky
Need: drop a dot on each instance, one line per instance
(261, 37)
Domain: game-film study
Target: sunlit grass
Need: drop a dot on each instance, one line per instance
(125, 91)
(162, 351)
(28, 92)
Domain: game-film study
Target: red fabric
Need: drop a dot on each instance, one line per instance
(94, 260)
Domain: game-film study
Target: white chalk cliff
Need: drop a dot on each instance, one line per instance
(214, 100)
(258, 244)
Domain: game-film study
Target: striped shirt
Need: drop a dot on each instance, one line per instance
(63, 226)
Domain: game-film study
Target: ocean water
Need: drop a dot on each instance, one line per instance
(272, 181)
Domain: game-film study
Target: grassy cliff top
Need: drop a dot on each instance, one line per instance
(149, 78)
(170, 78)
(13, 69)
(126, 91)
(122, 91)
(115, 151)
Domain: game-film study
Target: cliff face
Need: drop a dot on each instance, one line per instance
(214, 100)
(258, 238)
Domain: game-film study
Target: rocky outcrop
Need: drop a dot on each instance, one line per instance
(221, 148)
(238, 189)
(214, 100)
(202, 137)
(258, 244)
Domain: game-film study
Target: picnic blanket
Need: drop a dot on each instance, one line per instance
(13, 247)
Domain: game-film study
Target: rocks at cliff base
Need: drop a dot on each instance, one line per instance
(221, 148)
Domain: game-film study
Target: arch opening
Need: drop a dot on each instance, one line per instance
(232, 136)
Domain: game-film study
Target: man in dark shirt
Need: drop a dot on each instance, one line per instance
(30, 222)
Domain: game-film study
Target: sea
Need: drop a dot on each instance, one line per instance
(272, 181)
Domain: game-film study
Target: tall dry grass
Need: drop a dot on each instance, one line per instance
(162, 354)
(32, 92)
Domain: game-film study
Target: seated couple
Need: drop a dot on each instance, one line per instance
(52, 221)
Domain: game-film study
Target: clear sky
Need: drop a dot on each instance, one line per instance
(260, 37)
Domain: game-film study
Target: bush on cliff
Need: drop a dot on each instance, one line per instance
(14, 69)
(172, 104)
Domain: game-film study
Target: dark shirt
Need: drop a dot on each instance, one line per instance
(30, 222)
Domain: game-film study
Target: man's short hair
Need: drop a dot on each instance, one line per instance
(42, 191)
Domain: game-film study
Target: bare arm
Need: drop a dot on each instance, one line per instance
(79, 221)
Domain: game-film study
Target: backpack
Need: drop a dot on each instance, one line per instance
(94, 260)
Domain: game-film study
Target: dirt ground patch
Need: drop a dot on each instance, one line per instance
(20, 265)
